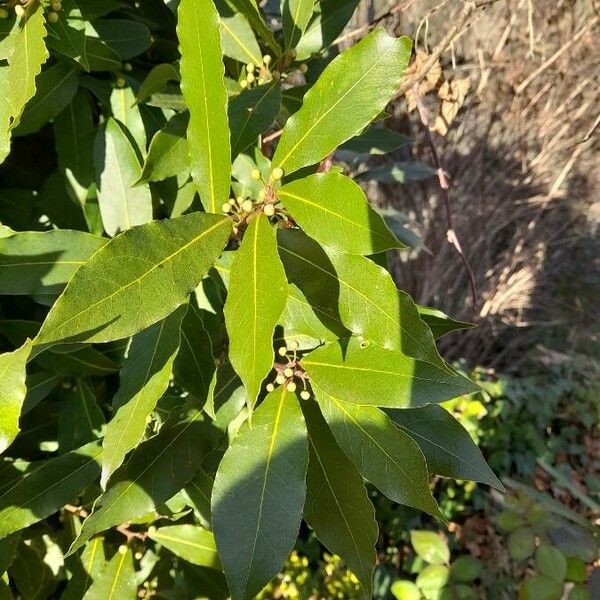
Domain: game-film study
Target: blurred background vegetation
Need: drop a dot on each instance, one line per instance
(513, 107)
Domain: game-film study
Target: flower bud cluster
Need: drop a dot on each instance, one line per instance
(289, 372)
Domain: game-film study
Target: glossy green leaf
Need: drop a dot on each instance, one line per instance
(42, 263)
(144, 378)
(364, 373)
(203, 87)
(376, 141)
(249, 9)
(18, 82)
(83, 362)
(74, 135)
(48, 486)
(8, 547)
(117, 580)
(352, 90)
(168, 152)
(251, 113)
(226, 397)
(85, 570)
(195, 365)
(329, 21)
(156, 80)
(334, 210)
(295, 17)
(446, 444)
(238, 40)
(172, 256)
(80, 420)
(122, 205)
(256, 298)
(355, 291)
(387, 457)
(198, 492)
(55, 88)
(430, 547)
(157, 469)
(127, 38)
(67, 36)
(127, 113)
(337, 505)
(190, 542)
(440, 323)
(259, 493)
(12, 392)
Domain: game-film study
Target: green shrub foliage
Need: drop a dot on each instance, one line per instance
(204, 349)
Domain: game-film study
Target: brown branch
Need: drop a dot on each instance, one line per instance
(444, 187)
(122, 529)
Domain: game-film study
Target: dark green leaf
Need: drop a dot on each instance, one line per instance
(295, 17)
(551, 562)
(399, 172)
(117, 580)
(466, 568)
(259, 494)
(127, 38)
(377, 141)
(539, 587)
(156, 80)
(440, 323)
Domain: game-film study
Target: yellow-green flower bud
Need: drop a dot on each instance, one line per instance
(282, 351)
(305, 395)
(277, 173)
(269, 210)
(291, 387)
(255, 174)
(247, 206)
(226, 207)
(280, 379)
(53, 17)
(267, 59)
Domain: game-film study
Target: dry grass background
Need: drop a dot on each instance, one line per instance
(523, 159)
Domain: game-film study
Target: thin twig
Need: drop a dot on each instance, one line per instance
(444, 186)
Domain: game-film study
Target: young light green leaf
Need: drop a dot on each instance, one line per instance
(144, 377)
(194, 365)
(190, 542)
(260, 484)
(203, 87)
(117, 580)
(47, 486)
(12, 392)
(171, 256)
(156, 80)
(295, 16)
(352, 90)
(330, 19)
(43, 262)
(55, 88)
(251, 113)
(127, 113)
(362, 372)
(117, 168)
(255, 301)
(389, 458)
(249, 9)
(157, 469)
(80, 420)
(430, 547)
(337, 504)
(359, 293)
(239, 41)
(74, 135)
(334, 210)
(446, 444)
(17, 85)
(168, 153)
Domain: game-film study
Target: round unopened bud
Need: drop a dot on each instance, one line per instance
(123, 549)
(120, 80)
(303, 68)
(250, 78)
(305, 395)
(56, 6)
(282, 350)
(276, 75)
(270, 387)
(226, 207)
(288, 372)
(280, 379)
(255, 174)
(19, 10)
(3, 13)
(250, 67)
(294, 345)
(53, 17)
(293, 53)
(127, 67)
(232, 201)
(269, 210)
(247, 205)
(267, 59)
(243, 84)
(277, 173)
(291, 387)
(139, 555)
